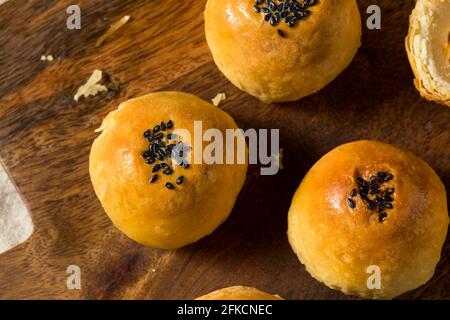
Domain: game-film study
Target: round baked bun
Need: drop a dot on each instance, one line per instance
(428, 48)
(168, 211)
(239, 293)
(369, 219)
(281, 63)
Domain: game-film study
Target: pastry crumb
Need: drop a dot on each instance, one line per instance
(218, 99)
(92, 86)
(112, 29)
(153, 270)
(47, 58)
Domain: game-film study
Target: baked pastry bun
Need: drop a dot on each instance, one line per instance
(428, 48)
(369, 219)
(239, 293)
(159, 200)
(282, 50)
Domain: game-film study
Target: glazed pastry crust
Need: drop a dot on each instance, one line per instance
(239, 293)
(428, 48)
(337, 244)
(252, 55)
(150, 213)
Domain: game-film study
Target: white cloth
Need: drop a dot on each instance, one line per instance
(15, 221)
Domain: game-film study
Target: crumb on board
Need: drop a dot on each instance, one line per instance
(217, 100)
(153, 270)
(47, 58)
(112, 29)
(92, 86)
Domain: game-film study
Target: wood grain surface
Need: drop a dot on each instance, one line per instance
(45, 138)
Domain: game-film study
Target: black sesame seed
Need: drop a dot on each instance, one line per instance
(185, 165)
(272, 6)
(353, 192)
(360, 181)
(156, 167)
(388, 177)
(169, 124)
(299, 15)
(281, 33)
(160, 155)
(374, 189)
(160, 143)
(256, 9)
(168, 171)
(265, 10)
(378, 200)
(154, 147)
(147, 133)
(154, 178)
(169, 186)
(163, 126)
(388, 198)
(388, 205)
(273, 21)
(351, 203)
(382, 216)
(291, 7)
(171, 136)
(180, 180)
(150, 160)
(159, 136)
(146, 154)
(156, 129)
(267, 17)
(381, 175)
(171, 146)
(369, 203)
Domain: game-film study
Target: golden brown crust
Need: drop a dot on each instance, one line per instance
(150, 213)
(256, 59)
(428, 49)
(239, 293)
(337, 243)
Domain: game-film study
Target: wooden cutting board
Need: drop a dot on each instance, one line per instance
(45, 137)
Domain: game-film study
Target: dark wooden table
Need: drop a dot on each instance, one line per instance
(45, 137)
